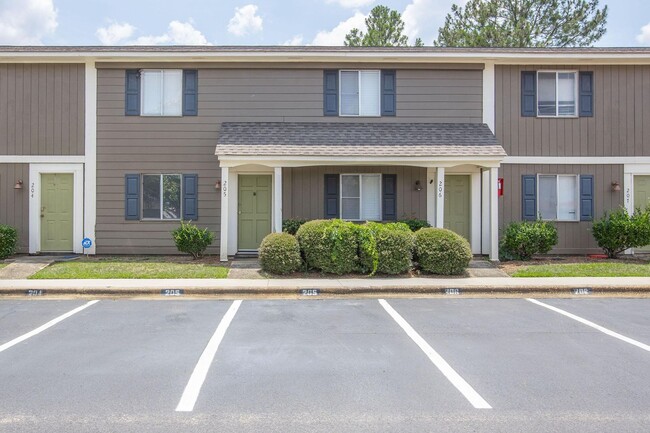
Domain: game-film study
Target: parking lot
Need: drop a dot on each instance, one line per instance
(344, 365)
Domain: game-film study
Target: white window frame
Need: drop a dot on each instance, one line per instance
(557, 101)
(557, 195)
(359, 94)
(381, 210)
(162, 93)
(162, 205)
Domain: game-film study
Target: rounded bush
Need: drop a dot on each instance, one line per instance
(522, 240)
(394, 245)
(441, 251)
(192, 240)
(618, 231)
(279, 253)
(292, 225)
(329, 245)
(8, 240)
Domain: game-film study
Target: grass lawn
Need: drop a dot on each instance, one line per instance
(604, 269)
(129, 268)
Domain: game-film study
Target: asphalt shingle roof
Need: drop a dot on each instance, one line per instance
(357, 139)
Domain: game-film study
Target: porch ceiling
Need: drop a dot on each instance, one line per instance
(403, 141)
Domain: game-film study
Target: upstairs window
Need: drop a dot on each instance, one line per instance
(557, 94)
(360, 93)
(162, 92)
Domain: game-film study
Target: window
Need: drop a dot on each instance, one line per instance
(361, 197)
(558, 197)
(557, 94)
(162, 92)
(360, 93)
(161, 196)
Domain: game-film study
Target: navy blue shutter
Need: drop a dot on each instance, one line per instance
(190, 197)
(586, 99)
(529, 197)
(528, 93)
(132, 197)
(586, 197)
(389, 197)
(331, 93)
(331, 196)
(132, 93)
(388, 93)
(190, 92)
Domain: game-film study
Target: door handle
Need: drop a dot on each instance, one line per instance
(42, 212)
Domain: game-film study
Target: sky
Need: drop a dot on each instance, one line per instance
(248, 22)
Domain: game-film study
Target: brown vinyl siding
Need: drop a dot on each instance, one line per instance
(42, 110)
(620, 126)
(14, 203)
(134, 144)
(573, 237)
(303, 190)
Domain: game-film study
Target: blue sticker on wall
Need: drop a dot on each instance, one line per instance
(86, 243)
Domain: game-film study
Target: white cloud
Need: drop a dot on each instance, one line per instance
(245, 21)
(336, 36)
(352, 3)
(115, 33)
(644, 36)
(178, 33)
(423, 18)
(26, 22)
(296, 40)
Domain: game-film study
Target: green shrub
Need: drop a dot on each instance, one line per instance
(291, 226)
(522, 240)
(367, 250)
(416, 224)
(191, 239)
(8, 240)
(441, 251)
(619, 231)
(280, 254)
(329, 245)
(394, 245)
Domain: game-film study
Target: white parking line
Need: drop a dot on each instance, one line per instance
(45, 326)
(193, 387)
(461, 385)
(592, 324)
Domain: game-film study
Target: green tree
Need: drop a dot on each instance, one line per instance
(385, 29)
(523, 23)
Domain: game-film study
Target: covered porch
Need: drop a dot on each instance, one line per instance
(443, 173)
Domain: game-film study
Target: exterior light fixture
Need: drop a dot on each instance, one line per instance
(217, 185)
(616, 186)
(418, 185)
(18, 185)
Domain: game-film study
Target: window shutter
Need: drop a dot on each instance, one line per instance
(586, 197)
(190, 197)
(331, 196)
(132, 197)
(586, 99)
(132, 93)
(388, 93)
(331, 93)
(528, 93)
(389, 197)
(190, 92)
(528, 197)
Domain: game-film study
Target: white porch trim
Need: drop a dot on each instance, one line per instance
(431, 196)
(35, 171)
(225, 199)
(90, 151)
(309, 161)
(485, 212)
(494, 215)
(440, 197)
(42, 159)
(489, 88)
(277, 199)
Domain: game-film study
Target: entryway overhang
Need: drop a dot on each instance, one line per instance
(268, 147)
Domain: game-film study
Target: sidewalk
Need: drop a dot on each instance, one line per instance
(329, 286)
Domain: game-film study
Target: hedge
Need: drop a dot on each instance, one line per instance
(279, 253)
(8, 241)
(441, 251)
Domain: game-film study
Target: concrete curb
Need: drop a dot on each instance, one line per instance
(334, 287)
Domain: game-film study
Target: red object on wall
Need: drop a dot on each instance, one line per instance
(500, 186)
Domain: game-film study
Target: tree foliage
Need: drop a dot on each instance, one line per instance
(523, 23)
(385, 28)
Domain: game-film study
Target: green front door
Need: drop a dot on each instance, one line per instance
(254, 210)
(642, 198)
(57, 198)
(457, 204)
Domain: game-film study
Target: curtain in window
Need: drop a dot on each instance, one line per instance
(152, 92)
(567, 203)
(547, 198)
(172, 93)
(370, 197)
(546, 94)
(350, 92)
(369, 100)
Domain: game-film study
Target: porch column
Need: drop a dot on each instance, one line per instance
(494, 215)
(277, 200)
(224, 214)
(440, 196)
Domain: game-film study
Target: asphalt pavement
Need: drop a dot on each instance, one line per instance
(337, 365)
